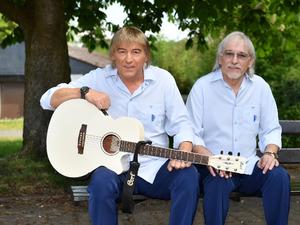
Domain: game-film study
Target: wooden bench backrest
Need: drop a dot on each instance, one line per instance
(290, 155)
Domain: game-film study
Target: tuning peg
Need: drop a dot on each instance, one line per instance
(229, 153)
(221, 152)
(238, 154)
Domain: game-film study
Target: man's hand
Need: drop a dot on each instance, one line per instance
(205, 151)
(268, 161)
(99, 99)
(179, 164)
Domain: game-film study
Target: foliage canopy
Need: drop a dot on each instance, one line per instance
(47, 25)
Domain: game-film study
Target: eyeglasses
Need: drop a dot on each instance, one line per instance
(242, 56)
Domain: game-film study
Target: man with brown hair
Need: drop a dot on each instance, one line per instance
(130, 86)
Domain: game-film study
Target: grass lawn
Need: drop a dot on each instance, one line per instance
(25, 175)
(9, 146)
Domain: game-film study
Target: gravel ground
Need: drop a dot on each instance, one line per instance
(61, 210)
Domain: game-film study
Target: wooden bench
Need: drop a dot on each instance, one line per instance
(287, 157)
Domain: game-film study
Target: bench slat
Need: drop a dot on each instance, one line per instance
(84, 196)
(290, 127)
(80, 193)
(287, 155)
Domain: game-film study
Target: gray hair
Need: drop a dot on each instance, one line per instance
(247, 41)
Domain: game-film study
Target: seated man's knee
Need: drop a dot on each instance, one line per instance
(279, 175)
(103, 181)
(217, 184)
(189, 177)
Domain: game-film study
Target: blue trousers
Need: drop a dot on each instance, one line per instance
(273, 187)
(180, 186)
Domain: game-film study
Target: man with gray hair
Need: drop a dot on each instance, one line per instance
(229, 108)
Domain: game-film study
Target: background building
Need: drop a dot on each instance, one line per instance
(12, 61)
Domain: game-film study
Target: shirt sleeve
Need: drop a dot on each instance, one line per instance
(178, 123)
(86, 80)
(46, 97)
(270, 129)
(194, 106)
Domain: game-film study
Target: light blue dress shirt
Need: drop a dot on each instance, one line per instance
(157, 103)
(227, 122)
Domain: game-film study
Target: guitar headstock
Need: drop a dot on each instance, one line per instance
(235, 164)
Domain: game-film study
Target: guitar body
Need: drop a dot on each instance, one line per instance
(64, 131)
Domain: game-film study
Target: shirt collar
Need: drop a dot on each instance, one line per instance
(249, 78)
(149, 74)
(217, 75)
(110, 71)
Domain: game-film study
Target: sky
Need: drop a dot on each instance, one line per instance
(169, 31)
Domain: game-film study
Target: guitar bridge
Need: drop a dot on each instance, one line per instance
(81, 139)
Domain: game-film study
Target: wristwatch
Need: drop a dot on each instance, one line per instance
(274, 154)
(83, 91)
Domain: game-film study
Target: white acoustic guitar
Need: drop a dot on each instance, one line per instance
(81, 138)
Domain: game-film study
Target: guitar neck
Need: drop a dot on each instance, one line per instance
(126, 146)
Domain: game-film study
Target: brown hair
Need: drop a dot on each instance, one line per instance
(130, 34)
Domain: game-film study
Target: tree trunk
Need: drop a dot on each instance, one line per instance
(45, 44)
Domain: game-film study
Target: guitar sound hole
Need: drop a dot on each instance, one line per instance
(111, 144)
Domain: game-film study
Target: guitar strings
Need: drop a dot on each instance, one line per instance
(92, 140)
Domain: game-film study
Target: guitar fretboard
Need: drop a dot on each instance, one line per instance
(127, 146)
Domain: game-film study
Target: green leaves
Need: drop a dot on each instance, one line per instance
(272, 25)
(9, 32)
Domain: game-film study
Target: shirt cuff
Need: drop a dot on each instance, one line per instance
(182, 136)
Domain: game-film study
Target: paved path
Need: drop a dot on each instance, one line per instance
(11, 133)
